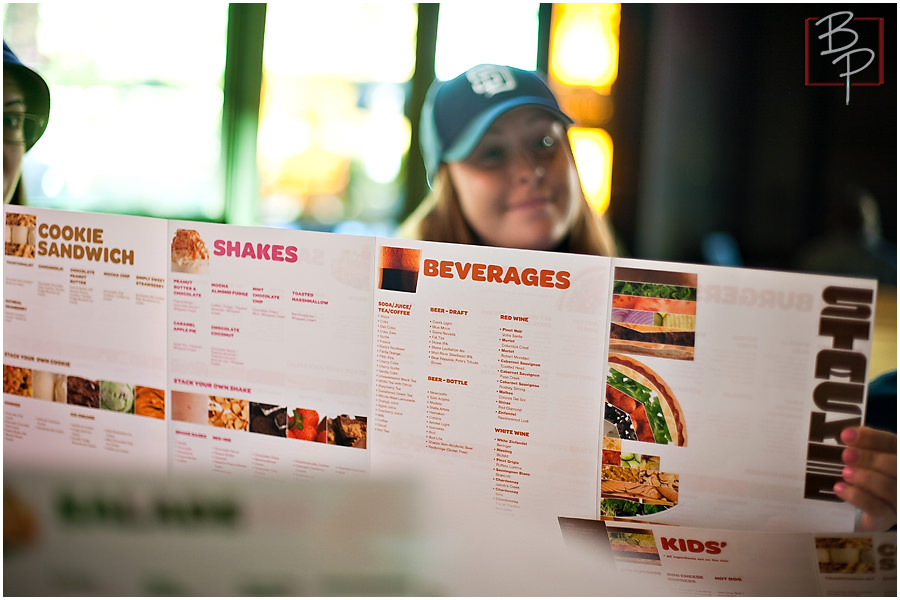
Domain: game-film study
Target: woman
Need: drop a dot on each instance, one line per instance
(501, 169)
(26, 108)
(502, 174)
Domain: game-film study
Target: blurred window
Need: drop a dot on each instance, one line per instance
(136, 118)
(136, 105)
(332, 132)
(503, 32)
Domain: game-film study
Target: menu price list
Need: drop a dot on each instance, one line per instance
(462, 365)
(41, 433)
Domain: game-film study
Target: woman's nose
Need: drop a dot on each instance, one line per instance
(525, 166)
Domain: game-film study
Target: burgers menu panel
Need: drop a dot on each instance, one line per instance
(720, 402)
(84, 357)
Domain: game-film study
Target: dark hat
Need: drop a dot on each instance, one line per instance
(37, 94)
(457, 112)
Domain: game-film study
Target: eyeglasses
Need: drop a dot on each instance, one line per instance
(22, 128)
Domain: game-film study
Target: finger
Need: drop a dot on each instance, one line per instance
(881, 462)
(876, 484)
(877, 515)
(870, 439)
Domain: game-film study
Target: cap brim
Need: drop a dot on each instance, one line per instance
(469, 138)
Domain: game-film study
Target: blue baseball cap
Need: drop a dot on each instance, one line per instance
(37, 94)
(457, 112)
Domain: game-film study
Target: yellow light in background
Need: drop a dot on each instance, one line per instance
(593, 150)
(584, 47)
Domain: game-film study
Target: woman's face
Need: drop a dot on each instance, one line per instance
(13, 152)
(519, 187)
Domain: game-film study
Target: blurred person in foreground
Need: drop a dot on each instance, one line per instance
(501, 170)
(26, 109)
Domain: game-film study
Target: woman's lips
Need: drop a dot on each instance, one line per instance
(530, 204)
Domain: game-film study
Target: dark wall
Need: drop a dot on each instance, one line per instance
(716, 130)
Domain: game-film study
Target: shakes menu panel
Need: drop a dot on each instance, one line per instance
(543, 384)
(270, 351)
(84, 356)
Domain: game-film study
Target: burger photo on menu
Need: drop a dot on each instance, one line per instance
(633, 485)
(640, 404)
(653, 313)
(633, 545)
(639, 407)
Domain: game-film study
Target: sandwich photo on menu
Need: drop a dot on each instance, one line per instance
(639, 407)
(653, 313)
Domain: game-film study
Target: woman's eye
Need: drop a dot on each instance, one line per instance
(12, 121)
(491, 155)
(546, 142)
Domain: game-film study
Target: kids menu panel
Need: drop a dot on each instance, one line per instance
(663, 560)
(84, 358)
(270, 351)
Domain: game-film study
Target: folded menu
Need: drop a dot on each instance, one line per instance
(542, 384)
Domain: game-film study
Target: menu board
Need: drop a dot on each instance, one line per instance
(542, 384)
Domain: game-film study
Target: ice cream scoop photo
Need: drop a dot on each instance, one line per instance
(118, 397)
(49, 386)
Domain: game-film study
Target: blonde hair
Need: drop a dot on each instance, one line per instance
(439, 218)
